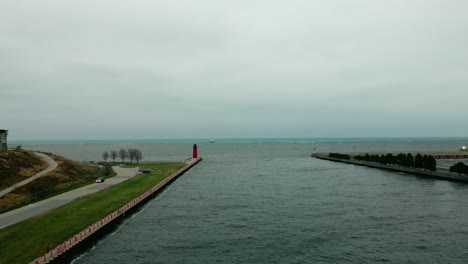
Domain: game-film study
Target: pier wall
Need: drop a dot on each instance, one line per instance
(65, 252)
(416, 171)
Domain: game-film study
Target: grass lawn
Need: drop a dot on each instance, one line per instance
(27, 240)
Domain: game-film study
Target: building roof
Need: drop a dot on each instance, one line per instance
(3, 130)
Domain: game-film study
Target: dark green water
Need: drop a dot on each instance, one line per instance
(270, 203)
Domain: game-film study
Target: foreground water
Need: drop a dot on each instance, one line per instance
(271, 203)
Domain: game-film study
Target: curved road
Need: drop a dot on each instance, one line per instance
(52, 166)
(20, 214)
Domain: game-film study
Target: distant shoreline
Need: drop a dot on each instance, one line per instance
(415, 171)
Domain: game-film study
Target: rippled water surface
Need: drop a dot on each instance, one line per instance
(271, 203)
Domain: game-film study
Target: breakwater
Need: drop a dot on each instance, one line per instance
(416, 171)
(65, 251)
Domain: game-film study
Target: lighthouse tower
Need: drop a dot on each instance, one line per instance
(195, 151)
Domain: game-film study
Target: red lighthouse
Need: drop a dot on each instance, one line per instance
(195, 151)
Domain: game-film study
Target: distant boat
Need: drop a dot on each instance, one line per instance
(212, 140)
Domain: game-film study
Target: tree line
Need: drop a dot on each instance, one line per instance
(427, 162)
(459, 168)
(132, 154)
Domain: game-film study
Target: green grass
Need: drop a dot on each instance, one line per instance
(25, 241)
(26, 197)
(74, 186)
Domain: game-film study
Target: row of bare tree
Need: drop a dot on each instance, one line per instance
(132, 154)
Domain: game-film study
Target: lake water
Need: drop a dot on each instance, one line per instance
(269, 202)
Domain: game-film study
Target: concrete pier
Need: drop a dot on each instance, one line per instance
(415, 171)
(435, 154)
(65, 252)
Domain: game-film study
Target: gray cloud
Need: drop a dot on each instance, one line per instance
(162, 69)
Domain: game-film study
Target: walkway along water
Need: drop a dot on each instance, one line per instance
(64, 252)
(420, 172)
(25, 212)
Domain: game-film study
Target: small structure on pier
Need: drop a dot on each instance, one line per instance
(3, 139)
(195, 151)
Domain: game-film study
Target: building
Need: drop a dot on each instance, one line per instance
(3, 139)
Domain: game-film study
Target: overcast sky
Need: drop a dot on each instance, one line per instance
(116, 69)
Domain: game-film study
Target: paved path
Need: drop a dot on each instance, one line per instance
(52, 166)
(20, 214)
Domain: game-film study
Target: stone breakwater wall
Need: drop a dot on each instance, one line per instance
(81, 241)
(416, 171)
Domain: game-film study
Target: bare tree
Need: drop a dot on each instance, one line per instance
(105, 156)
(113, 155)
(131, 154)
(138, 155)
(123, 154)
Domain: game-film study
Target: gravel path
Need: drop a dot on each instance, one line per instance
(52, 166)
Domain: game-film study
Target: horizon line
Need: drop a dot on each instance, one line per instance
(228, 138)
